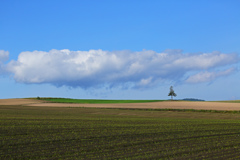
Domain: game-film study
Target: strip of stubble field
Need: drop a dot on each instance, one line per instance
(19, 101)
(154, 105)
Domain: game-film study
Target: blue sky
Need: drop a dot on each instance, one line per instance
(117, 49)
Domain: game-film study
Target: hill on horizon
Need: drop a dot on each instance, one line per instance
(192, 99)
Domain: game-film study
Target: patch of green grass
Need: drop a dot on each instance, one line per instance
(94, 101)
(230, 101)
(184, 110)
(93, 133)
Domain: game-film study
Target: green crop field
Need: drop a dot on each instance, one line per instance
(93, 133)
(95, 101)
(230, 101)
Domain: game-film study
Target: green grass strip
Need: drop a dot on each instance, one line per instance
(174, 110)
(230, 101)
(94, 101)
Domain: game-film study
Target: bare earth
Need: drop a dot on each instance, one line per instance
(19, 101)
(152, 105)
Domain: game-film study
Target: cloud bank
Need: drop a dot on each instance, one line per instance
(97, 68)
(208, 76)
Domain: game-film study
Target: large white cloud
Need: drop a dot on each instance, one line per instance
(95, 68)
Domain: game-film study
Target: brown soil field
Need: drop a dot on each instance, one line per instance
(19, 101)
(153, 105)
